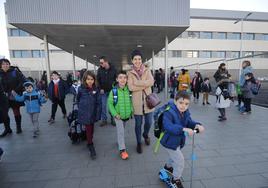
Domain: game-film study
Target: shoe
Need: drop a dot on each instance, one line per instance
(178, 183)
(169, 169)
(203, 103)
(6, 132)
(18, 129)
(51, 121)
(139, 148)
(124, 154)
(244, 113)
(103, 123)
(219, 116)
(222, 119)
(208, 103)
(92, 151)
(147, 140)
(1, 154)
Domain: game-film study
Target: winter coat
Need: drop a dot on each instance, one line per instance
(137, 86)
(244, 71)
(197, 86)
(184, 81)
(246, 90)
(106, 78)
(173, 124)
(220, 101)
(89, 105)
(206, 88)
(221, 74)
(32, 101)
(63, 90)
(4, 104)
(123, 107)
(13, 79)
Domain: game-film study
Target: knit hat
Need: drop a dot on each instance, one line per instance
(27, 84)
(136, 52)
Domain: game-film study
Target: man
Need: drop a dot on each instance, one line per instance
(106, 77)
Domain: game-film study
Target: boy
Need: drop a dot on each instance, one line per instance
(33, 101)
(206, 89)
(176, 122)
(120, 106)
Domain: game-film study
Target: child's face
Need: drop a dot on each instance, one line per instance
(247, 77)
(55, 77)
(182, 104)
(90, 80)
(121, 79)
(29, 89)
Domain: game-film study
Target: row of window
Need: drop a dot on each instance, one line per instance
(13, 32)
(223, 35)
(210, 54)
(31, 53)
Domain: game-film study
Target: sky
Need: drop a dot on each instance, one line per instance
(244, 5)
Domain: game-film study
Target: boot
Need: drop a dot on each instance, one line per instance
(92, 151)
(18, 124)
(7, 130)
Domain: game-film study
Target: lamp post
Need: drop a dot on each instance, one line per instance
(241, 40)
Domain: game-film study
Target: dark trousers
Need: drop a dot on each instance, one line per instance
(55, 104)
(196, 94)
(240, 99)
(222, 112)
(17, 115)
(89, 132)
(247, 104)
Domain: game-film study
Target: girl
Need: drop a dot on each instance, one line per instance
(89, 103)
(247, 93)
(222, 102)
(196, 85)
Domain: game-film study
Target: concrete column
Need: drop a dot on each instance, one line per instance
(74, 75)
(95, 68)
(166, 67)
(86, 64)
(153, 61)
(47, 60)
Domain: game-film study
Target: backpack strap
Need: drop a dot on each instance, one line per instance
(115, 95)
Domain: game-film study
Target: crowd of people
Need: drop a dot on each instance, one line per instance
(123, 95)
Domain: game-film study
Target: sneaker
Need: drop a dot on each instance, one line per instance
(146, 140)
(124, 154)
(103, 123)
(244, 113)
(51, 121)
(35, 134)
(222, 119)
(139, 148)
(92, 151)
(208, 103)
(178, 183)
(219, 116)
(169, 169)
(1, 154)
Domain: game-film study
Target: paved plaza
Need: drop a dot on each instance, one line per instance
(231, 154)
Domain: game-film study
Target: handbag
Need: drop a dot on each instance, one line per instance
(152, 100)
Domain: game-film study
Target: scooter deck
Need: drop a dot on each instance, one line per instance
(166, 177)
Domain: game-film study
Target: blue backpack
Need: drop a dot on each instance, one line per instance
(115, 95)
(255, 87)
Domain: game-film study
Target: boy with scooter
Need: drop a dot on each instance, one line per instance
(177, 123)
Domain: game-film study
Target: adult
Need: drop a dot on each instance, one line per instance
(173, 82)
(57, 90)
(12, 79)
(158, 80)
(4, 112)
(196, 85)
(246, 68)
(140, 81)
(222, 73)
(184, 80)
(106, 78)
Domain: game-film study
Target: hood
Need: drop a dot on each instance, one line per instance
(174, 107)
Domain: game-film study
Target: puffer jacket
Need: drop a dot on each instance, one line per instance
(63, 90)
(184, 81)
(106, 78)
(244, 71)
(246, 90)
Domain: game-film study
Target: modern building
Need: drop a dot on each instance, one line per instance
(213, 35)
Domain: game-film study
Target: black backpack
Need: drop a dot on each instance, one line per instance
(158, 120)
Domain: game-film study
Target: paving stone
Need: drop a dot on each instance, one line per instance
(251, 181)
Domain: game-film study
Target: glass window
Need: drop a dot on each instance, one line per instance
(234, 36)
(175, 53)
(161, 54)
(219, 35)
(205, 35)
(26, 54)
(23, 33)
(218, 54)
(232, 54)
(248, 36)
(259, 36)
(190, 54)
(261, 54)
(36, 54)
(14, 32)
(205, 54)
(265, 36)
(42, 53)
(16, 53)
(193, 35)
(244, 54)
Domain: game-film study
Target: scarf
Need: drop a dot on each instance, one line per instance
(141, 71)
(56, 81)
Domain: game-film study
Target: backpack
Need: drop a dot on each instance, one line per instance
(255, 87)
(229, 90)
(158, 120)
(115, 95)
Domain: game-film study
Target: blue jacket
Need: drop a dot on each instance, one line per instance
(32, 101)
(173, 124)
(244, 71)
(89, 105)
(63, 90)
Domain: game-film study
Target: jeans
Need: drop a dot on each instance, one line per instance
(104, 98)
(147, 125)
(55, 104)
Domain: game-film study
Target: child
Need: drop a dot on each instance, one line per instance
(176, 121)
(89, 103)
(57, 91)
(247, 93)
(33, 101)
(206, 89)
(221, 101)
(120, 106)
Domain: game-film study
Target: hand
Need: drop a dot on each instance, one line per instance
(190, 132)
(13, 93)
(101, 91)
(200, 128)
(117, 117)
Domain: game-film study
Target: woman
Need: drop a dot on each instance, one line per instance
(12, 79)
(140, 80)
(196, 85)
(184, 80)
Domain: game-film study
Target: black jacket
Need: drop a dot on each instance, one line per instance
(221, 74)
(106, 78)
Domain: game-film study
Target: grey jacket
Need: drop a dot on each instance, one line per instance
(246, 90)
